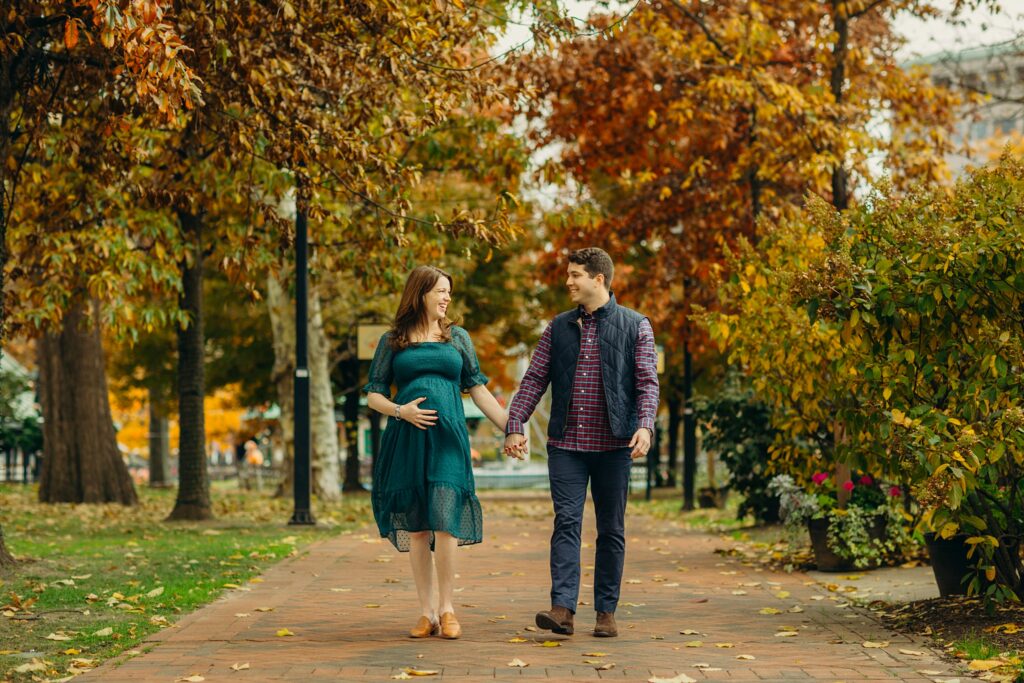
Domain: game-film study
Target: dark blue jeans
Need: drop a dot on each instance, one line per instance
(608, 475)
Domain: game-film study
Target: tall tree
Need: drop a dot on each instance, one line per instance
(73, 391)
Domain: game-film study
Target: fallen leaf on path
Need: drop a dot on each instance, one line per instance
(371, 605)
(739, 592)
(518, 663)
(551, 643)
(785, 634)
(633, 604)
(633, 581)
(606, 666)
(530, 628)
(724, 645)
(690, 632)
(654, 636)
(782, 594)
(929, 672)
(915, 653)
(1009, 629)
(241, 615)
(681, 678)
(795, 609)
(869, 643)
(595, 654)
(341, 590)
(231, 585)
(517, 639)
(985, 664)
(769, 610)
(264, 609)
(401, 676)
(420, 672)
(195, 678)
(694, 643)
(283, 632)
(240, 667)
(745, 657)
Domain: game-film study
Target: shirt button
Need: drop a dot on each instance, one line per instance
(581, 426)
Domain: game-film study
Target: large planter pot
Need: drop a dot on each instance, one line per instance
(951, 565)
(829, 561)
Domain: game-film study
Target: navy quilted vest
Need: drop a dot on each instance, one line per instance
(617, 328)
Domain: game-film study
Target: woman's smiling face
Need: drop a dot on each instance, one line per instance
(435, 302)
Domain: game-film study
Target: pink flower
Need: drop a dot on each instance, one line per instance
(895, 491)
(819, 477)
(866, 480)
(848, 485)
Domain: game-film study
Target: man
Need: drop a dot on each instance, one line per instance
(602, 366)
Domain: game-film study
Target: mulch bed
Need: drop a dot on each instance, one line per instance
(1001, 625)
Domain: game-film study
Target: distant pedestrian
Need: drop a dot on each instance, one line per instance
(254, 462)
(424, 497)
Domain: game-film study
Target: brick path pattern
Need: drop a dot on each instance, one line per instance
(687, 612)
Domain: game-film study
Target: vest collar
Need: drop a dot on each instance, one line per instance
(600, 313)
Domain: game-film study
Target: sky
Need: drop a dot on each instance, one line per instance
(979, 27)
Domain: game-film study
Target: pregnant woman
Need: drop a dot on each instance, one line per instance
(424, 499)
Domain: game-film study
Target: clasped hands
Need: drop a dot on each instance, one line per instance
(515, 444)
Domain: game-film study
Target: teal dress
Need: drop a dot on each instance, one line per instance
(423, 478)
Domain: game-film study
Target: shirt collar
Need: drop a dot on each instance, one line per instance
(602, 312)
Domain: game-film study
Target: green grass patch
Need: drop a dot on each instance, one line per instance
(93, 581)
(716, 520)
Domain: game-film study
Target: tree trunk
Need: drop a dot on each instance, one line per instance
(324, 445)
(159, 444)
(6, 559)
(689, 433)
(193, 502)
(350, 379)
(674, 415)
(837, 78)
(81, 460)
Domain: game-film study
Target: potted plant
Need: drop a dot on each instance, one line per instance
(858, 536)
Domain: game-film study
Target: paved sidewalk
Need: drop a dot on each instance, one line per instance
(349, 602)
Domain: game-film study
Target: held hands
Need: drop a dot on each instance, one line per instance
(515, 446)
(640, 443)
(412, 413)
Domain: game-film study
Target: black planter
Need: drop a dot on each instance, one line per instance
(951, 565)
(825, 558)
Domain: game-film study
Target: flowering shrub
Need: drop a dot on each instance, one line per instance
(849, 529)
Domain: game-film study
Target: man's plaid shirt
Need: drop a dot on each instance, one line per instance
(587, 426)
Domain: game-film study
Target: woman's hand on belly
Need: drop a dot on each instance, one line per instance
(412, 413)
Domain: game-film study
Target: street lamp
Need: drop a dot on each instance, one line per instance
(302, 476)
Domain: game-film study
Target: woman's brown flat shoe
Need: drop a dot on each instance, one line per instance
(450, 627)
(424, 628)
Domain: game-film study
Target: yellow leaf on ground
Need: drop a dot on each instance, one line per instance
(282, 632)
(869, 643)
(34, 665)
(606, 666)
(694, 643)
(264, 609)
(371, 605)
(745, 657)
(769, 610)
(70, 651)
(690, 632)
(155, 592)
(914, 653)
(231, 585)
(401, 676)
(551, 643)
(103, 632)
(782, 595)
(195, 678)
(518, 663)
(985, 664)
(240, 667)
(58, 636)
(785, 634)
(420, 672)
(595, 654)
(517, 639)
(724, 645)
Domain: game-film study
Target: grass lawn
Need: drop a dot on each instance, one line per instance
(93, 581)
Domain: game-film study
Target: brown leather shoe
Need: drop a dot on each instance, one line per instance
(558, 620)
(450, 627)
(605, 627)
(424, 628)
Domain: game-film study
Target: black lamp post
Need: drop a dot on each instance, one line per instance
(302, 476)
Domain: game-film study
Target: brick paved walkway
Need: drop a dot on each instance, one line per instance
(684, 610)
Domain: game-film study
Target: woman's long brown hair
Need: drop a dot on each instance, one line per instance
(412, 311)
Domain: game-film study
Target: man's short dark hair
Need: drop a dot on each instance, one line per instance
(594, 261)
